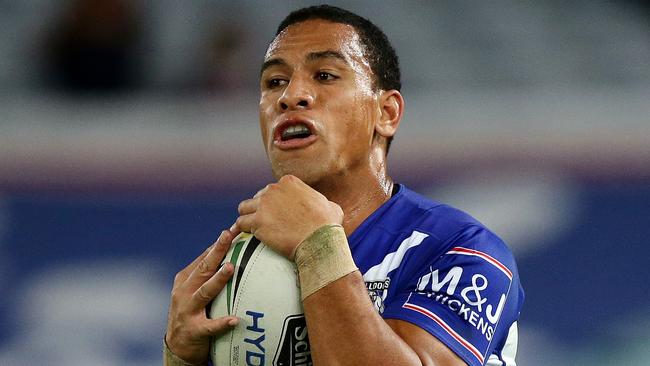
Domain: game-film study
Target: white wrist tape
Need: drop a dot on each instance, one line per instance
(323, 258)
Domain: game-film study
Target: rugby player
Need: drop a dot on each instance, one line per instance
(387, 276)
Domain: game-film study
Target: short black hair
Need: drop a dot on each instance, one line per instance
(378, 51)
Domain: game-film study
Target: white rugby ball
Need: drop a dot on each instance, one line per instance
(264, 294)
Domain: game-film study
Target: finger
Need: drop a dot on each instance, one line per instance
(216, 327)
(235, 230)
(185, 272)
(261, 191)
(208, 265)
(248, 206)
(246, 223)
(212, 287)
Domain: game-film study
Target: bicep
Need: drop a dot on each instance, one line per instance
(430, 350)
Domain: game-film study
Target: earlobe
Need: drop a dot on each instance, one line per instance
(392, 108)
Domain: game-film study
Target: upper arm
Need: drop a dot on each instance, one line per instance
(461, 302)
(430, 350)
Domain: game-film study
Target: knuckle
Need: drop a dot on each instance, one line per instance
(176, 296)
(261, 203)
(203, 267)
(223, 238)
(254, 220)
(258, 193)
(243, 206)
(210, 328)
(216, 327)
(203, 294)
(338, 209)
(287, 177)
(179, 278)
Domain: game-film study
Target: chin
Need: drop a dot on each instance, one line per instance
(307, 174)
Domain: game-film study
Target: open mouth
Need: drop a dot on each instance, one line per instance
(294, 134)
(296, 131)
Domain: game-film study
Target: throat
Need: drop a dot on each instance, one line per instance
(357, 212)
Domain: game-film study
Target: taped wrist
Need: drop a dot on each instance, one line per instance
(323, 258)
(170, 359)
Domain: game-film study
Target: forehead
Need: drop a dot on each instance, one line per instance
(316, 35)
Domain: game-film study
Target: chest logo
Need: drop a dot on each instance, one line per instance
(378, 290)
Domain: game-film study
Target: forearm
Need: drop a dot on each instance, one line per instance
(345, 329)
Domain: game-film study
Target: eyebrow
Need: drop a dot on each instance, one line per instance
(312, 56)
(272, 62)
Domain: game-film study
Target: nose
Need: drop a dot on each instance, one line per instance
(297, 95)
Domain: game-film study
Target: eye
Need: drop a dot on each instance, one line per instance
(325, 76)
(275, 82)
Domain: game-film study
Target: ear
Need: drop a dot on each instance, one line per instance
(392, 108)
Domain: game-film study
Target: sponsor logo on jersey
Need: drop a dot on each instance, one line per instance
(294, 349)
(471, 302)
(475, 292)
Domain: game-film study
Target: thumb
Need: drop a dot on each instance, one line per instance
(217, 327)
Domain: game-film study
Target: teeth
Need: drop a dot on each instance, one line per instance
(295, 130)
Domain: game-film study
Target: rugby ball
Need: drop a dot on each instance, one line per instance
(264, 294)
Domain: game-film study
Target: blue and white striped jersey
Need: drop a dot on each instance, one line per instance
(440, 269)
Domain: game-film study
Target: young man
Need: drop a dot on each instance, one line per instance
(444, 290)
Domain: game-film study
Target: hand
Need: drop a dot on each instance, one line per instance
(285, 213)
(189, 331)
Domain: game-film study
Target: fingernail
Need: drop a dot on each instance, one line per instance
(233, 227)
(223, 267)
(226, 267)
(234, 321)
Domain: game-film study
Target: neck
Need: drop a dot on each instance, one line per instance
(359, 193)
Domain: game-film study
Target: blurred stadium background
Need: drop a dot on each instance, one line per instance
(128, 134)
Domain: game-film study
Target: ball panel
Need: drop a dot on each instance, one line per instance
(265, 296)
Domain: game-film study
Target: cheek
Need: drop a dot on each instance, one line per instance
(356, 131)
(364, 117)
(265, 120)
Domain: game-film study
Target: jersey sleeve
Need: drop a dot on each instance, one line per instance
(465, 295)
